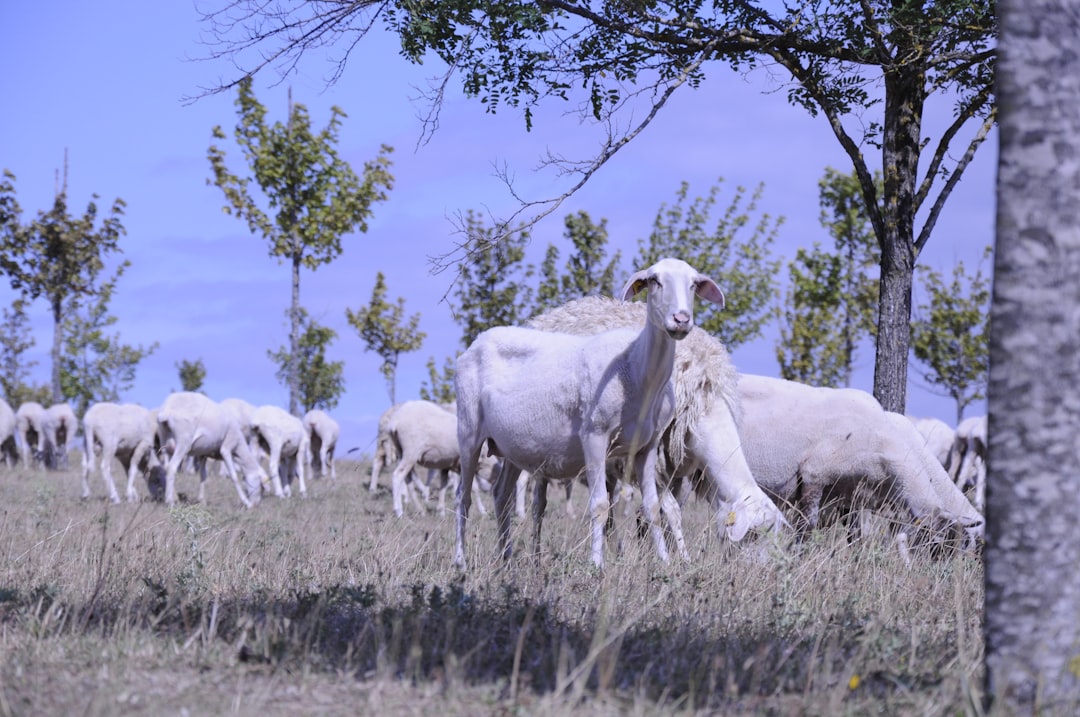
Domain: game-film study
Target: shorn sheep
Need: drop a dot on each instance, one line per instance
(58, 425)
(285, 440)
(191, 424)
(323, 432)
(806, 444)
(702, 434)
(9, 446)
(125, 432)
(554, 404)
(29, 429)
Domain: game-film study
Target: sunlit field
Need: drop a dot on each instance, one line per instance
(332, 605)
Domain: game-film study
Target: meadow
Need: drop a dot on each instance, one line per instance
(331, 605)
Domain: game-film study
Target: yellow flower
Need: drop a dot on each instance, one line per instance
(853, 682)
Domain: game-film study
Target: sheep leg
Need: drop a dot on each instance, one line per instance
(595, 448)
(397, 483)
(328, 454)
(108, 451)
(88, 465)
(672, 513)
(136, 459)
(645, 467)
(539, 507)
(470, 459)
(520, 489)
(507, 483)
(227, 458)
(376, 467)
(180, 451)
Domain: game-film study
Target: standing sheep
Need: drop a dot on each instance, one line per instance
(58, 426)
(122, 431)
(386, 453)
(9, 450)
(29, 421)
(554, 404)
(284, 438)
(323, 432)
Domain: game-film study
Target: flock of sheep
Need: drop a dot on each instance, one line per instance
(611, 393)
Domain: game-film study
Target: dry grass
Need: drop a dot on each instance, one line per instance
(331, 605)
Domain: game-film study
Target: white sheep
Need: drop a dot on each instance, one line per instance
(9, 447)
(939, 437)
(386, 454)
(29, 420)
(806, 443)
(122, 431)
(554, 404)
(323, 432)
(967, 459)
(189, 423)
(58, 426)
(702, 434)
(285, 440)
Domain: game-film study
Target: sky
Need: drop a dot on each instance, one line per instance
(111, 83)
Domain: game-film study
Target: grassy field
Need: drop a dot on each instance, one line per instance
(332, 605)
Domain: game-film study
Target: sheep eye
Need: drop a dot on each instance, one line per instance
(654, 282)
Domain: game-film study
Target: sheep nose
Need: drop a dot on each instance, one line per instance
(681, 318)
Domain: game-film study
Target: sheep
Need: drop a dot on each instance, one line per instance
(939, 437)
(193, 424)
(126, 432)
(58, 426)
(554, 403)
(804, 443)
(29, 419)
(425, 434)
(9, 450)
(967, 459)
(285, 439)
(702, 435)
(386, 453)
(323, 432)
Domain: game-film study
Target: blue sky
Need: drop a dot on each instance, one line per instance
(107, 81)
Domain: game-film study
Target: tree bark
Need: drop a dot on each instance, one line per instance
(58, 339)
(294, 338)
(1032, 608)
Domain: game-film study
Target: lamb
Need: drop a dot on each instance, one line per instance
(126, 432)
(804, 443)
(939, 437)
(967, 459)
(323, 432)
(9, 450)
(193, 424)
(702, 435)
(29, 420)
(58, 426)
(285, 439)
(554, 404)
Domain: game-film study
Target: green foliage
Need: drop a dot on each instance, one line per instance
(57, 255)
(831, 303)
(321, 382)
(739, 264)
(15, 340)
(382, 327)
(192, 374)
(493, 284)
(950, 334)
(315, 196)
(441, 387)
(95, 365)
(586, 272)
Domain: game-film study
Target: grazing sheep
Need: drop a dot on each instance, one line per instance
(285, 439)
(9, 449)
(805, 443)
(967, 459)
(58, 426)
(939, 437)
(29, 420)
(323, 432)
(194, 425)
(386, 453)
(126, 432)
(702, 434)
(554, 404)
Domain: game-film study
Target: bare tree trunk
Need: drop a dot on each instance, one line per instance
(294, 338)
(58, 339)
(1032, 627)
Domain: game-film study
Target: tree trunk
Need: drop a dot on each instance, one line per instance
(1032, 609)
(58, 339)
(294, 338)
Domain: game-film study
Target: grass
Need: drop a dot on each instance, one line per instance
(332, 605)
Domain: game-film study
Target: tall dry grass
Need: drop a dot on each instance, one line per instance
(332, 605)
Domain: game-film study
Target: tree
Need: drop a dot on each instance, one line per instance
(316, 196)
(869, 68)
(95, 365)
(950, 334)
(441, 389)
(739, 264)
(493, 284)
(381, 325)
(192, 374)
(1033, 539)
(586, 273)
(320, 383)
(57, 255)
(15, 340)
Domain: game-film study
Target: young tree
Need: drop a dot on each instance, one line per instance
(57, 256)
(381, 325)
(192, 374)
(950, 334)
(95, 365)
(870, 69)
(441, 388)
(586, 273)
(15, 340)
(315, 196)
(493, 282)
(739, 264)
(320, 383)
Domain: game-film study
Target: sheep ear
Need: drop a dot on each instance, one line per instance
(707, 289)
(636, 283)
